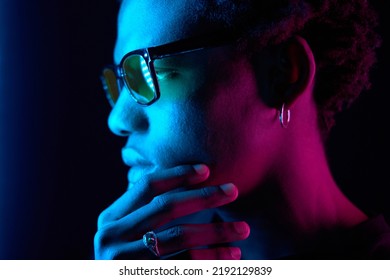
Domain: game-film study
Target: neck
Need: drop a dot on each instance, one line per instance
(298, 202)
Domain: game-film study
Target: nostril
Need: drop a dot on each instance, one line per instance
(123, 133)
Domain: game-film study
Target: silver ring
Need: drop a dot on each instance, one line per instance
(150, 242)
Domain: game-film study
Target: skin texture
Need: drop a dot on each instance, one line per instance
(210, 162)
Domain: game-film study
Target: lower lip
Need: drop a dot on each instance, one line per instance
(137, 172)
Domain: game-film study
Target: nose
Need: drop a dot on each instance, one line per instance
(127, 116)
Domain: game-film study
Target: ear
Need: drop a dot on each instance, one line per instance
(293, 71)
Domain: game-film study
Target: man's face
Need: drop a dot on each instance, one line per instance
(209, 110)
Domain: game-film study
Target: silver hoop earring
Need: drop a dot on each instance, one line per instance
(284, 120)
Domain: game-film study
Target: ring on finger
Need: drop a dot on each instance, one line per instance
(151, 242)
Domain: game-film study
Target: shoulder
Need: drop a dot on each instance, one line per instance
(369, 240)
(373, 236)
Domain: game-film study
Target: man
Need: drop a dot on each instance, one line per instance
(225, 106)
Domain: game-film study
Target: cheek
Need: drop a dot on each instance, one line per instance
(236, 121)
(230, 111)
(220, 122)
(177, 130)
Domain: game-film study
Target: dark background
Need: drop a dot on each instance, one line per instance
(60, 165)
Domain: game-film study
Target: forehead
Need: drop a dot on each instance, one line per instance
(146, 23)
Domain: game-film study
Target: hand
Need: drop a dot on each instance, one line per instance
(158, 199)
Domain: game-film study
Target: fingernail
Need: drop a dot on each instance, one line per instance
(201, 169)
(235, 253)
(228, 189)
(241, 228)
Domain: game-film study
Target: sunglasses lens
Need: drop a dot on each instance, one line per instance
(110, 85)
(139, 80)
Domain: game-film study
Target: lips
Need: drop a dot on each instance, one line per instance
(139, 166)
(131, 157)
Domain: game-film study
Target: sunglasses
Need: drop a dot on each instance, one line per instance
(137, 73)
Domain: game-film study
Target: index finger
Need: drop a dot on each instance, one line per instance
(151, 185)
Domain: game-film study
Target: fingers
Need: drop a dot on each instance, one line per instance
(183, 237)
(170, 206)
(152, 185)
(123, 251)
(224, 253)
(166, 180)
(137, 251)
(190, 240)
(159, 198)
(219, 253)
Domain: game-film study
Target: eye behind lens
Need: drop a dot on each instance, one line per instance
(139, 79)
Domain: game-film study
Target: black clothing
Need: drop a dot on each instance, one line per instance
(369, 240)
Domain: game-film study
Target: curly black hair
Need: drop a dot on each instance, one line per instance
(342, 35)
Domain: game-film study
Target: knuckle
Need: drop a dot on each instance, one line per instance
(104, 236)
(144, 181)
(177, 233)
(104, 217)
(107, 245)
(162, 203)
(109, 254)
(115, 254)
(207, 192)
(204, 193)
(209, 196)
(144, 188)
(181, 170)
